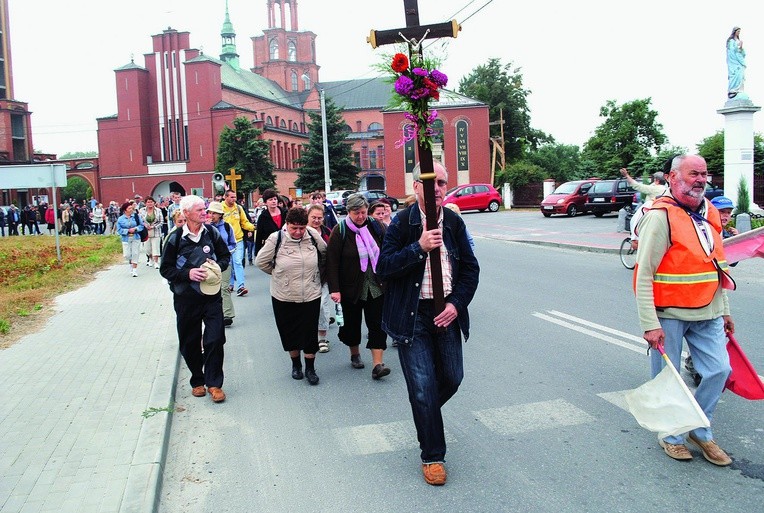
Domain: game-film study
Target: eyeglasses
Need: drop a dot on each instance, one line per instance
(439, 183)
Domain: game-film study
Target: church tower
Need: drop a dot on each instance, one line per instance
(228, 35)
(283, 53)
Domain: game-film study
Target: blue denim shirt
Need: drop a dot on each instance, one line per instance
(124, 223)
(402, 264)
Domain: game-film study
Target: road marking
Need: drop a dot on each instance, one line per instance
(589, 332)
(522, 418)
(378, 438)
(622, 334)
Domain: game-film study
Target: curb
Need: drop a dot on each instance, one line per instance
(144, 481)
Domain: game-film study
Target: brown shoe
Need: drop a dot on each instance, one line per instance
(712, 452)
(199, 391)
(217, 394)
(434, 473)
(677, 451)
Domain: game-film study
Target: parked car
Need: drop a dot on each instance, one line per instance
(374, 195)
(712, 191)
(569, 198)
(609, 196)
(474, 196)
(337, 198)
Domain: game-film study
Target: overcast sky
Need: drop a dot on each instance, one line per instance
(574, 56)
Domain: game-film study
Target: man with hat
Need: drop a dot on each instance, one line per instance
(215, 211)
(193, 260)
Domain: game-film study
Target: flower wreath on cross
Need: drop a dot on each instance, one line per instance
(415, 86)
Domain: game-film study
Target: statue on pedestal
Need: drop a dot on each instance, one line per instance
(735, 64)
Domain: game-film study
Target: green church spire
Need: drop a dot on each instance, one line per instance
(228, 35)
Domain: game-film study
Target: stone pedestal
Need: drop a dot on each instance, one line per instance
(738, 145)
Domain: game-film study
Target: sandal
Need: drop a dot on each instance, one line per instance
(323, 346)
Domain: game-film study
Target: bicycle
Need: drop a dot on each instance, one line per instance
(628, 253)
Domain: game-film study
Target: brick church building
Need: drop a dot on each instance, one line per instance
(172, 108)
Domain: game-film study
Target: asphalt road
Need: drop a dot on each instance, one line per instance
(537, 425)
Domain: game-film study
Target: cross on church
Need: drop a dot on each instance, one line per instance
(413, 34)
(233, 178)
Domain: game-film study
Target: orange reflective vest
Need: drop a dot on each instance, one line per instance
(687, 277)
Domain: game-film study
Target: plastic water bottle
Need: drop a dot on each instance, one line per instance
(338, 316)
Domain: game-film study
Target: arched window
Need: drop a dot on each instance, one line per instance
(437, 128)
(294, 80)
(348, 130)
(274, 49)
(292, 51)
(283, 124)
(306, 81)
(269, 121)
(375, 127)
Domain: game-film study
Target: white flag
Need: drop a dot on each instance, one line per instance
(665, 404)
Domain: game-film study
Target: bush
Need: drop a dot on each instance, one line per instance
(743, 196)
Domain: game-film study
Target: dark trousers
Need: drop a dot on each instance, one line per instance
(203, 353)
(433, 368)
(371, 311)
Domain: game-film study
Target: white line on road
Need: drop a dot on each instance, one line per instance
(600, 327)
(591, 333)
(521, 418)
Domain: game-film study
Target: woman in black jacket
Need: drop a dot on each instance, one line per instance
(270, 220)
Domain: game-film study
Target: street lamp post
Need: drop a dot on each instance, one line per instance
(327, 178)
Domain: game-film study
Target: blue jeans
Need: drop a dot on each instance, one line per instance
(433, 368)
(249, 249)
(238, 268)
(708, 347)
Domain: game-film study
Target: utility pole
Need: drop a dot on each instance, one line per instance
(327, 177)
(498, 147)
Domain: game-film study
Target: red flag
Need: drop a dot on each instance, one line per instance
(744, 380)
(745, 245)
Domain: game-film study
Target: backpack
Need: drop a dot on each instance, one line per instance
(278, 243)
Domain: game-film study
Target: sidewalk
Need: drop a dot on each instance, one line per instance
(84, 412)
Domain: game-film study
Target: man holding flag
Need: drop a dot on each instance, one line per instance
(680, 281)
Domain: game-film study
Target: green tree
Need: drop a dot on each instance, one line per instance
(501, 88)
(77, 188)
(629, 133)
(78, 155)
(712, 150)
(243, 148)
(743, 197)
(521, 173)
(342, 169)
(559, 161)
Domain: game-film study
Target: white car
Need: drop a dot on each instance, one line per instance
(336, 198)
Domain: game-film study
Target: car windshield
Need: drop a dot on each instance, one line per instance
(566, 188)
(451, 191)
(601, 187)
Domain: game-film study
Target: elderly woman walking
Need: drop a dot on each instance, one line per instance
(152, 218)
(294, 256)
(352, 255)
(128, 227)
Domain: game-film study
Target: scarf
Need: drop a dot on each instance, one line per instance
(368, 251)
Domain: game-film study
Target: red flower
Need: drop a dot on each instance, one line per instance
(400, 63)
(435, 95)
(429, 84)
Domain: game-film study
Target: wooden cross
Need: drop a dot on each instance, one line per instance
(413, 34)
(233, 178)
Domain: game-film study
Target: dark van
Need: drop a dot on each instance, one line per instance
(609, 196)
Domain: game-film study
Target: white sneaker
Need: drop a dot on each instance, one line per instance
(135, 273)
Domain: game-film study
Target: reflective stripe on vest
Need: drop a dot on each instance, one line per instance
(686, 276)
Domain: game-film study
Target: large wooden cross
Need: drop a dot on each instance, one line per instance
(413, 34)
(233, 178)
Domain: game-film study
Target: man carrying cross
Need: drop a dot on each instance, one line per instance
(429, 343)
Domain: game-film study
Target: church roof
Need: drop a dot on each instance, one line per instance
(377, 93)
(253, 84)
(130, 65)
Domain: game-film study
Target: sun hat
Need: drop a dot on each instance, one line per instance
(215, 206)
(211, 284)
(721, 202)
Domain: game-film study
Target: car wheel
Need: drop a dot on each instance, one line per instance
(547, 214)
(599, 213)
(493, 206)
(572, 211)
